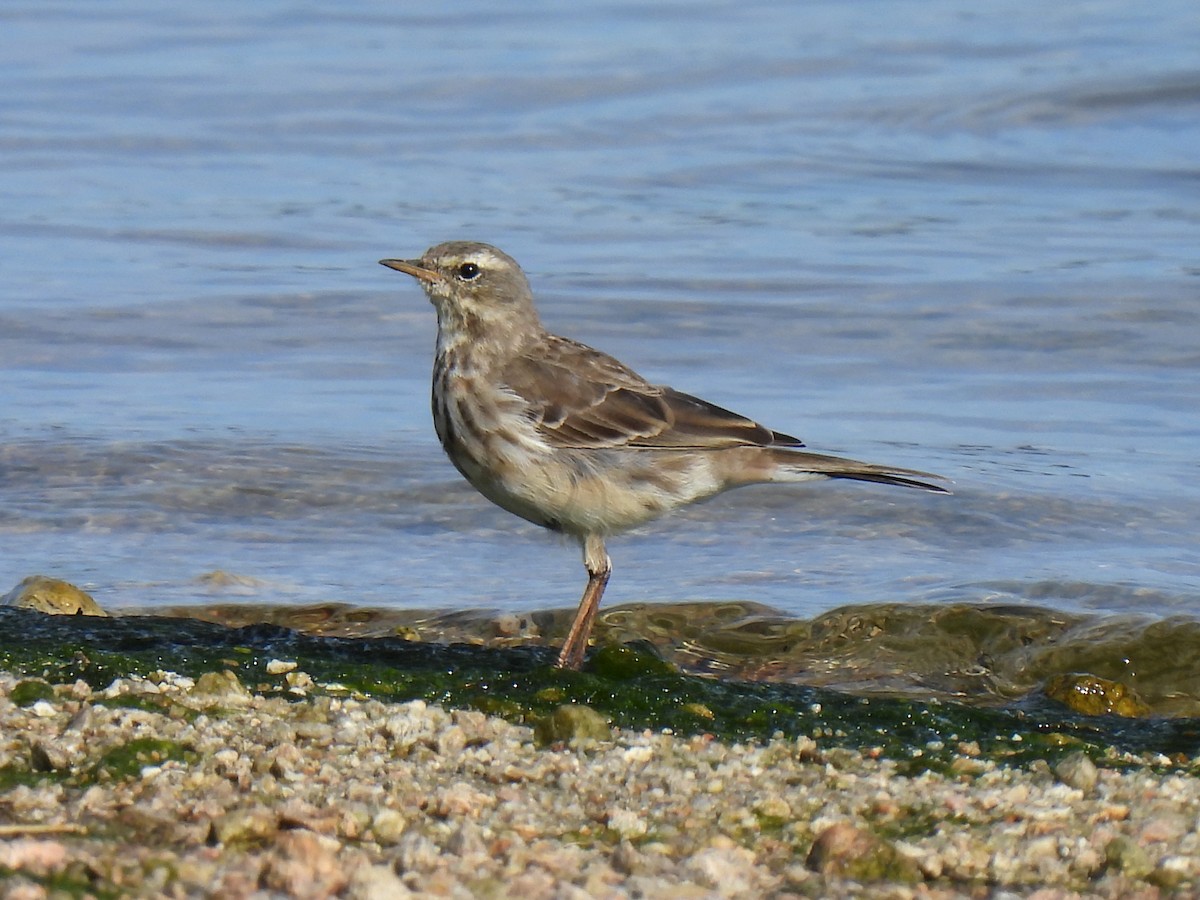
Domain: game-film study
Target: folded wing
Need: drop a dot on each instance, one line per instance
(585, 399)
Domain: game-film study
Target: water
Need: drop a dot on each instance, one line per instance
(957, 238)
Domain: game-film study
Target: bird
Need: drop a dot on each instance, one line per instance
(571, 439)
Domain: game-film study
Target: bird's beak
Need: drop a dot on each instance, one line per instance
(413, 268)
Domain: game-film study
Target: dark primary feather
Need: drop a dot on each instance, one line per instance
(854, 470)
(886, 478)
(586, 399)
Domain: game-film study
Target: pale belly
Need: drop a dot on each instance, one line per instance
(576, 491)
(583, 492)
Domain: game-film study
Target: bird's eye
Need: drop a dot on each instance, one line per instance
(467, 271)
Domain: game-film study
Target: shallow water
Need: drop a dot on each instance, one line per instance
(947, 237)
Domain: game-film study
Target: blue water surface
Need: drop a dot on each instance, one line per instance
(943, 235)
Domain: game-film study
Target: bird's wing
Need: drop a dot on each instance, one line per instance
(583, 398)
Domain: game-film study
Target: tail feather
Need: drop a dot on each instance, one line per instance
(804, 465)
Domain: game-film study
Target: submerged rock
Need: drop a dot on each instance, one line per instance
(1095, 696)
(53, 597)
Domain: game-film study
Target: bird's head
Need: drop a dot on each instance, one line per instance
(477, 289)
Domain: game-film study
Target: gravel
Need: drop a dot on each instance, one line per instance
(170, 787)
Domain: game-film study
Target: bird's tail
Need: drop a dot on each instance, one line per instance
(794, 465)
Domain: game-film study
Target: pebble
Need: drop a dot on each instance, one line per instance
(323, 796)
(1078, 771)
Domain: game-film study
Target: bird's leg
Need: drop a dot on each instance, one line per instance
(599, 567)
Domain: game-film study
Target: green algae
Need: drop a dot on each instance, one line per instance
(623, 663)
(123, 761)
(27, 693)
(163, 705)
(12, 776)
(632, 689)
(127, 760)
(74, 880)
(974, 653)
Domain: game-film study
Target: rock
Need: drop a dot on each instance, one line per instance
(34, 857)
(627, 859)
(1163, 826)
(729, 871)
(219, 580)
(511, 625)
(46, 758)
(572, 722)
(458, 799)
(451, 741)
(1095, 696)
(245, 826)
(1078, 771)
(1122, 854)
(417, 853)
(626, 823)
(305, 865)
(844, 851)
(1170, 873)
(222, 686)
(388, 826)
(466, 842)
(53, 597)
(376, 882)
(31, 691)
(772, 810)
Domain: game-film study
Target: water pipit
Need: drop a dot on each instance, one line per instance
(573, 440)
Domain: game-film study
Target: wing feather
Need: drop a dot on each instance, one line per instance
(582, 398)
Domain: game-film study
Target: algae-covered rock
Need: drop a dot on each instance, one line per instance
(622, 663)
(30, 691)
(845, 851)
(128, 759)
(1123, 854)
(572, 722)
(53, 597)
(221, 686)
(1095, 696)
